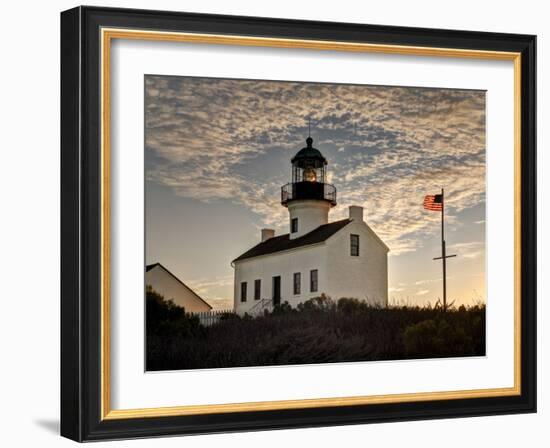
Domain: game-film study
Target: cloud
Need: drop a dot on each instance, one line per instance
(213, 290)
(220, 303)
(427, 281)
(422, 292)
(203, 284)
(387, 147)
(474, 249)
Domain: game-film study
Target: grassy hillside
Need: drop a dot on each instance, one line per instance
(319, 331)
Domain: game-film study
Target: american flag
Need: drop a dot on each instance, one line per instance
(433, 202)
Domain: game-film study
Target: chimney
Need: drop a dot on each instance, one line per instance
(356, 213)
(267, 233)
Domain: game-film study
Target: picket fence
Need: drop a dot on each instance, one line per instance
(209, 318)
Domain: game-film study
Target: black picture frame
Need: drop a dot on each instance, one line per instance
(81, 224)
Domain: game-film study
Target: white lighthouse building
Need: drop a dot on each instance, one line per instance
(339, 259)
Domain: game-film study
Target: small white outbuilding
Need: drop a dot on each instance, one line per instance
(171, 287)
(339, 259)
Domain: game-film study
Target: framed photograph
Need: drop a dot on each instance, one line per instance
(273, 223)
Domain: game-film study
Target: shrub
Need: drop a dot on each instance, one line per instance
(350, 306)
(321, 303)
(431, 338)
(282, 308)
(317, 331)
(166, 322)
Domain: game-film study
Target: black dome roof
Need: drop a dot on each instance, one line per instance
(309, 156)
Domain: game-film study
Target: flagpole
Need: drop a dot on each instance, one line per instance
(443, 251)
(444, 255)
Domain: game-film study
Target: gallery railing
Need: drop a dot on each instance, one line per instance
(308, 190)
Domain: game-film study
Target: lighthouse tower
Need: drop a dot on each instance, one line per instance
(308, 197)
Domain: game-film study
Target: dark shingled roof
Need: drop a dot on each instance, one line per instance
(283, 242)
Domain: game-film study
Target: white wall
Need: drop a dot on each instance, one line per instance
(285, 264)
(29, 235)
(364, 277)
(310, 215)
(168, 286)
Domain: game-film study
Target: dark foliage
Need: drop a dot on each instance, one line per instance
(317, 331)
(166, 324)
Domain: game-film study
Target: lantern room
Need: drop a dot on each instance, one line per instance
(308, 177)
(308, 164)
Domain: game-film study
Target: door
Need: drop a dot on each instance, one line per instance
(276, 290)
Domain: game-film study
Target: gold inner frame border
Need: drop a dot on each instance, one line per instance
(107, 36)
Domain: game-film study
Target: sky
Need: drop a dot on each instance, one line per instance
(217, 152)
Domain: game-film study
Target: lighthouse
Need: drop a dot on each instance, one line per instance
(308, 197)
(343, 258)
